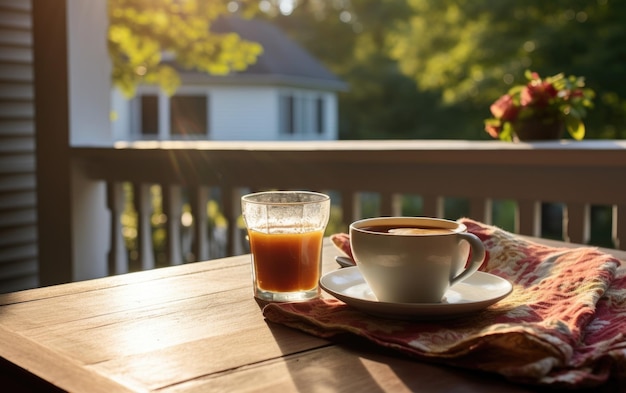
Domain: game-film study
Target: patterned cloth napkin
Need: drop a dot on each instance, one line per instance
(564, 324)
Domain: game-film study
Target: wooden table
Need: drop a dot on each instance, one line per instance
(194, 327)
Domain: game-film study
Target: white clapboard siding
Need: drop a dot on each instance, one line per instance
(18, 208)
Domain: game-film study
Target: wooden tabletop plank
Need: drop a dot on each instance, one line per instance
(118, 300)
(352, 367)
(56, 368)
(120, 280)
(218, 354)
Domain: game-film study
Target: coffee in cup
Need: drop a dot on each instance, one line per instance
(413, 259)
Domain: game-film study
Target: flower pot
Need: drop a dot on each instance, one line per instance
(539, 129)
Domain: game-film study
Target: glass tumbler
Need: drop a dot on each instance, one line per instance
(285, 230)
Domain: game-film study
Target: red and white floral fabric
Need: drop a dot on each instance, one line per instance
(563, 325)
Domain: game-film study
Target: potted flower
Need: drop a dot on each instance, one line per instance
(541, 109)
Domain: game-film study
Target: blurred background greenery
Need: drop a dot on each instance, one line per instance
(416, 69)
(423, 69)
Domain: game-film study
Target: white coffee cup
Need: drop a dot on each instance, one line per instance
(413, 259)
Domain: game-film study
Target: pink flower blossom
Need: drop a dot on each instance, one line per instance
(493, 130)
(504, 108)
(537, 93)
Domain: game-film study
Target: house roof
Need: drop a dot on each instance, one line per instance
(283, 61)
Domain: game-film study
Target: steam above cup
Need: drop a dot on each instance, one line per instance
(414, 259)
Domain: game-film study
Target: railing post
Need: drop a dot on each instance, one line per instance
(350, 206)
(576, 223)
(53, 176)
(396, 204)
(231, 205)
(143, 205)
(198, 199)
(619, 227)
(480, 209)
(172, 208)
(390, 204)
(118, 255)
(433, 206)
(528, 218)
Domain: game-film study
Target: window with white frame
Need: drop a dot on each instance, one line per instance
(319, 115)
(287, 115)
(149, 117)
(188, 115)
(301, 114)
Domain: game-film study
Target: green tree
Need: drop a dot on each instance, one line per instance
(431, 69)
(354, 40)
(147, 37)
(471, 51)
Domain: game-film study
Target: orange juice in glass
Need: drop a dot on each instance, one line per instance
(285, 229)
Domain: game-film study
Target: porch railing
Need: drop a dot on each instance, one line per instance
(575, 175)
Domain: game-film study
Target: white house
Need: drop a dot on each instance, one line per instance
(286, 95)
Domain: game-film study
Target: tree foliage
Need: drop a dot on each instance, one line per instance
(353, 39)
(146, 37)
(473, 51)
(431, 69)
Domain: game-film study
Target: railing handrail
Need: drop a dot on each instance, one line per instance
(564, 153)
(337, 164)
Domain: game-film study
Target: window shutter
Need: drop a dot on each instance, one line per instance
(18, 206)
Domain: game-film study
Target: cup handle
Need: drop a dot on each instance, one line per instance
(477, 253)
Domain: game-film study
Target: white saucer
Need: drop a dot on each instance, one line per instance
(475, 293)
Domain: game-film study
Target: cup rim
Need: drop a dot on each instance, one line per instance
(454, 226)
(249, 198)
